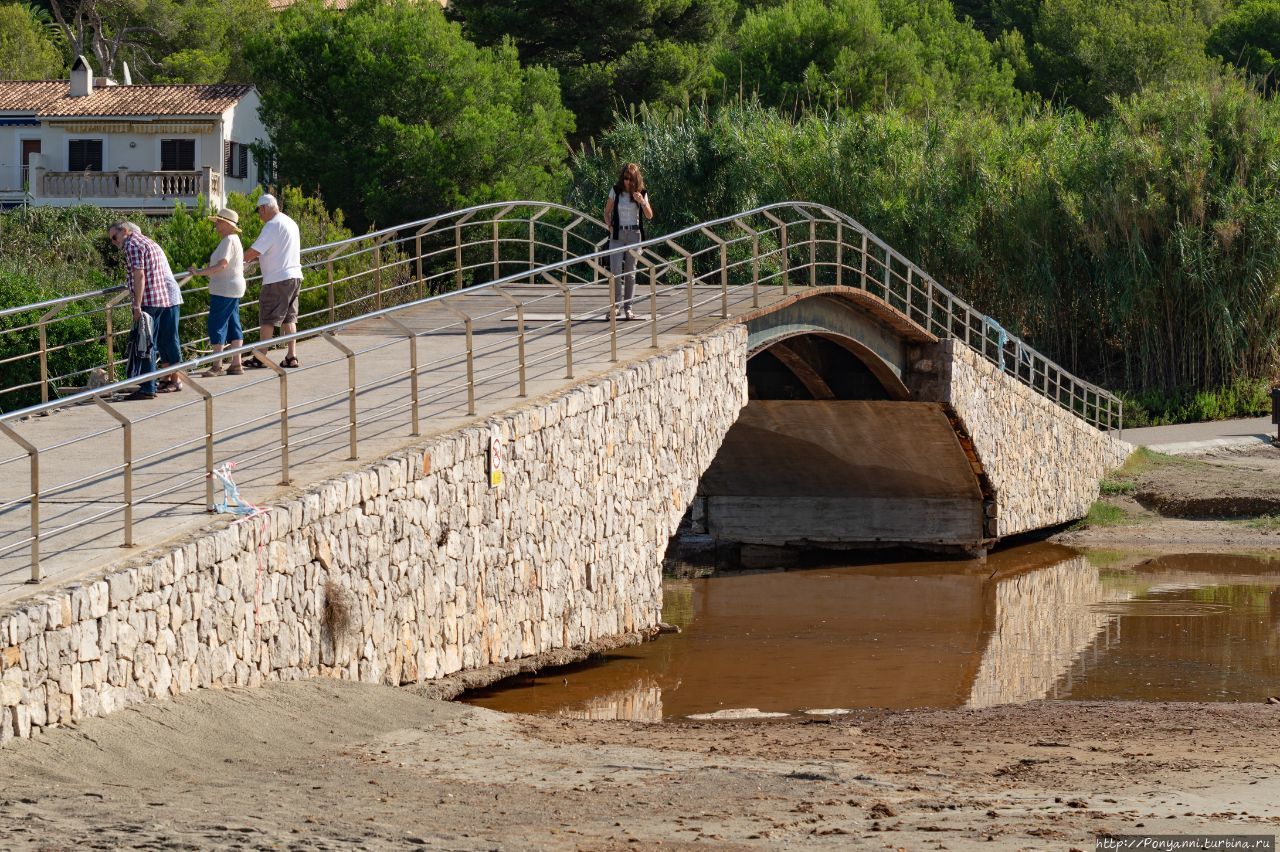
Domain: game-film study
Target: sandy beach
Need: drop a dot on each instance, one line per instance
(329, 765)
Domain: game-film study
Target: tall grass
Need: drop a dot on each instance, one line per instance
(1141, 250)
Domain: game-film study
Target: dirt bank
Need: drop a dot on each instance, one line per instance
(326, 765)
(1226, 500)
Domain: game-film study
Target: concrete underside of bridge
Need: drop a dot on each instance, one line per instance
(843, 473)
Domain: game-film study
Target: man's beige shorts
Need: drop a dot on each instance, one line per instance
(278, 302)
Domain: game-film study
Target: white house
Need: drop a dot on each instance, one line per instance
(90, 141)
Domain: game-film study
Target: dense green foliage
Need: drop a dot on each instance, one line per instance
(609, 53)
(1249, 37)
(397, 116)
(1085, 52)
(1142, 250)
(27, 50)
(863, 54)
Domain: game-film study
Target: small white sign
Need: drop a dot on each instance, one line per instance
(497, 452)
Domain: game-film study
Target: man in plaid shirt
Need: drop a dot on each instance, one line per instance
(154, 291)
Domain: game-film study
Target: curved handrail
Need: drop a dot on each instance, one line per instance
(318, 261)
(699, 267)
(646, 246)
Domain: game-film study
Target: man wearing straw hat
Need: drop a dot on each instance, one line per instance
(279, 247)
(226, 285)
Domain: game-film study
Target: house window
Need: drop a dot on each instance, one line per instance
(265, 159)
(177, 155)
(236, 160)
(84, 155)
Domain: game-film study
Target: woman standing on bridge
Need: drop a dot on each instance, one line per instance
(625, 211)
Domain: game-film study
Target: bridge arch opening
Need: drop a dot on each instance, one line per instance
(820, 366)
(832, 452)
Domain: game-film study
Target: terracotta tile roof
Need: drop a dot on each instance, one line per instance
(30, 96)
(184, 99)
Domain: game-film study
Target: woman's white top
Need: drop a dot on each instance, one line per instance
(228, 281)
(628, 210)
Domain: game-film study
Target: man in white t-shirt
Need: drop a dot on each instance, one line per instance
(279, 251)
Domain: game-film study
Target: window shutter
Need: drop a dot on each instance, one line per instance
(226, 159)
(243, 166)
(84, 155)
(177, 155)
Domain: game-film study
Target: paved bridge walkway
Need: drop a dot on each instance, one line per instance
(319, 417)
(535, 321)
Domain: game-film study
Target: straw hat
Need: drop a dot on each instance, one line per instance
(229, 216)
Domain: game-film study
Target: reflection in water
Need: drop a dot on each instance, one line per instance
(1043, 619)
(1032, 622)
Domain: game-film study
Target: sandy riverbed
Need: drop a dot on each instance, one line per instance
(1221, 501)
(326, 765)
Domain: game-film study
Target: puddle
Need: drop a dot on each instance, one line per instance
(1032, 622)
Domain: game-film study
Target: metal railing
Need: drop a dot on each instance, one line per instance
(340, 279)
(481, 340)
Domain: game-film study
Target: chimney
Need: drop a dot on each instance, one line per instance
(81, 78)
(128, 78)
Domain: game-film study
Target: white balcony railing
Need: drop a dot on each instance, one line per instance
(129, 185)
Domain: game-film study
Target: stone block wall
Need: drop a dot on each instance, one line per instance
(409, 569)
(1043, 462)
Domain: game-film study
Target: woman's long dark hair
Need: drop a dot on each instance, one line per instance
(637, 180)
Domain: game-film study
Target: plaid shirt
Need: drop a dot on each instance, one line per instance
(160, 289)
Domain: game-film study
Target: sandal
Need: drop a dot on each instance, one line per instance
(290, 361)
(235, 370)
(169, 387)
(253, 363)
(215, 370)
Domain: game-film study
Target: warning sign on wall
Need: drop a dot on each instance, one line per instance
(497, 453)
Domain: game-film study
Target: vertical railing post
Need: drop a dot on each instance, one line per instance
(888, 276)
(782, 238)
(813, 253)
(471, 355)
(568, 321)
(261, 355)
(862, 281)
(422, 279)
(653, 304)
(457, 255)
(755, 261)
(839, 254)
(352, 430)
(111, 337)
(724, 270)
(497, 251)
(413, 370)
(786, 262)
(613, 303)
(127, 468)
(44, 351)
(34, 455)
(208, 440)
(519, 306)
(377, 273)
(328, 267)
(422, 258)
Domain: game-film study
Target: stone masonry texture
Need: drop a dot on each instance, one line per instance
(1043, 462)
(409, 569)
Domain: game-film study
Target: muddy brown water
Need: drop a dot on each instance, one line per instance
(1033, 622)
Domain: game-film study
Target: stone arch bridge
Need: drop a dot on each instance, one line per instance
(487, 462)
